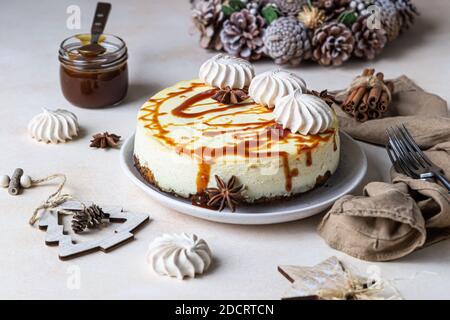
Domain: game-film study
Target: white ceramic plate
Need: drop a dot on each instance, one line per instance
(352, 169)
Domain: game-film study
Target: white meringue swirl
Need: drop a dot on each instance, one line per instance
(268, 87)
(303, 113)
(54, 126)
(179, 255)
(226, 71)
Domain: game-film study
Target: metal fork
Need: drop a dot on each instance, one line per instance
(409, 159)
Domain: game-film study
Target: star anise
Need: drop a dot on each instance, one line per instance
(105, 140)
(230, 96)
(324, 95)
(226, 194)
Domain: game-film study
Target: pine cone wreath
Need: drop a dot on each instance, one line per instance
(254, 6)
(360, 7)
(242, 35)
(389, 18)
(90, 217)
(290, 7)
(311, 17)
(368, 42)
(207, 16)
(332, 8)
(332, 44)
(407, 13)
(286, 40)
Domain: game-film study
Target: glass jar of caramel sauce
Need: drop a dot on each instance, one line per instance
(94, 81)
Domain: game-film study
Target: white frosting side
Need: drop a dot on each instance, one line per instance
(225, 71)
(179, 255)
(268, 87)
(54, 126)
(303, 113)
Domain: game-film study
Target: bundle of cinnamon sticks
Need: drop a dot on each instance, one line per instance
(368, 97)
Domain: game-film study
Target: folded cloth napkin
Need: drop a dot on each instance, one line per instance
(390, 220)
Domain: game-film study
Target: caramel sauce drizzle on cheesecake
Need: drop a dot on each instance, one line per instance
(249, 139)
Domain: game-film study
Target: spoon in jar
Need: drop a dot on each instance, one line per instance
(98, 25)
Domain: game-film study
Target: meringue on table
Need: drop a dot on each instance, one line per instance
(54, 126)
(179, 255)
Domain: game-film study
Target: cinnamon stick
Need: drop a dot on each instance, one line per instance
(363, 106)
(374, 114)
(361, 116)
(361, 90)
(349, 97)
(375, 92)
(14, 184)
(384, 98)
(350, 111)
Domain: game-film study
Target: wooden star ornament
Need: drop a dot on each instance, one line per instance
(331, 280)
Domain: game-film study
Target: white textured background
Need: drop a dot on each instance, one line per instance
(162, 52)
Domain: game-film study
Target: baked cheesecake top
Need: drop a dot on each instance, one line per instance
(186, 118)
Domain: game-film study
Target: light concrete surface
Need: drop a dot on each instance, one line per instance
(163, 51)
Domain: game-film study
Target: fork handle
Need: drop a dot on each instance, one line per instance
(443, 180)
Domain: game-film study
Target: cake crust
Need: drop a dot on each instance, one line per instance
(148, 176)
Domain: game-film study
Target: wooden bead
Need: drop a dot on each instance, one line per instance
(4, 181)
(25, 181)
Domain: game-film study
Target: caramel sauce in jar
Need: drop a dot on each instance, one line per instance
(94, 81)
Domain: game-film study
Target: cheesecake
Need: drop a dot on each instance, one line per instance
(185, 137)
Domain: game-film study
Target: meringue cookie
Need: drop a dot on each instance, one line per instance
(226, 71)
(179, 255)
(303, 113)
(54, 126)
(268, 87)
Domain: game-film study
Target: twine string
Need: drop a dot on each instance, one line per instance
(54, 200)
(366, 82)
(357, 289)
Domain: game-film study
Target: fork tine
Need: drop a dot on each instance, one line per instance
(400, 149)
(414, 144)
(404, 168)
(409, 152)
(393, 159)
(399, 154)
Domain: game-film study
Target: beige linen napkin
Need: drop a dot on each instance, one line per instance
(390, 220)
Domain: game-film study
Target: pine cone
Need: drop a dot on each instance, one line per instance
(389, 18)
(90, 217)
(368, 42)
(332, 8)
(332, 44)
(290, 7)
(311, 17)
(242, 35)
(255, 6)
(407, 13)
(359, 7)
(79, 222)
(286, 40)
(207, 16)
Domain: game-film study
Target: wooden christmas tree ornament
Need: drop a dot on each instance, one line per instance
(68, 249)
